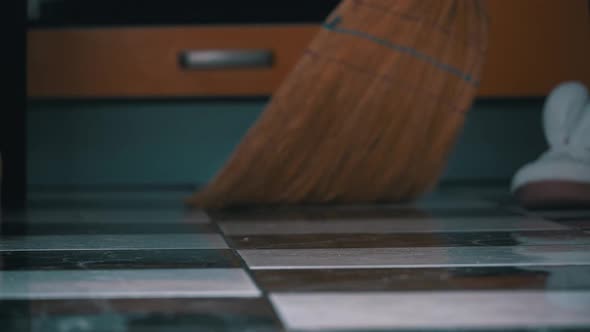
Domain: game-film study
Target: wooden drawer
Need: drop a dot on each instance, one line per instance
(534, 45)
(145, 62)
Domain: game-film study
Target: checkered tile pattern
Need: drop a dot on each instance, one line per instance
(450, 262)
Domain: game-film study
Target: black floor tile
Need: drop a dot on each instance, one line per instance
(359, 212)
(118, 259)
(140, 315)
(73, 228)
(576, 223)
(303, 241)
(425, 279)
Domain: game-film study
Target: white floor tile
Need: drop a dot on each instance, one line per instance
(141, 283)
(417, 257)
(429, 310)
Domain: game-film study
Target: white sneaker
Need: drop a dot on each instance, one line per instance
(561, 176)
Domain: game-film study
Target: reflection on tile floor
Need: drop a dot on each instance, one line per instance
(141, 262)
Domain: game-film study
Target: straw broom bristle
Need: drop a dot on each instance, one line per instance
(370, 112)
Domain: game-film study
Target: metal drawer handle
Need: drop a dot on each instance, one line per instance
(226, 59)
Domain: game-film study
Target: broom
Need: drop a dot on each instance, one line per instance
(369, 113)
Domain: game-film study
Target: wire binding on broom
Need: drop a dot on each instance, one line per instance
(334, 26)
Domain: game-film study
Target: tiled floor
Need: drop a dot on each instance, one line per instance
(453, 262)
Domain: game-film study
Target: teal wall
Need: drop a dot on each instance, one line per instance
(185, 142)
(133, 143)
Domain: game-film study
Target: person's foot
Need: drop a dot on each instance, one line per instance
(560, 178)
